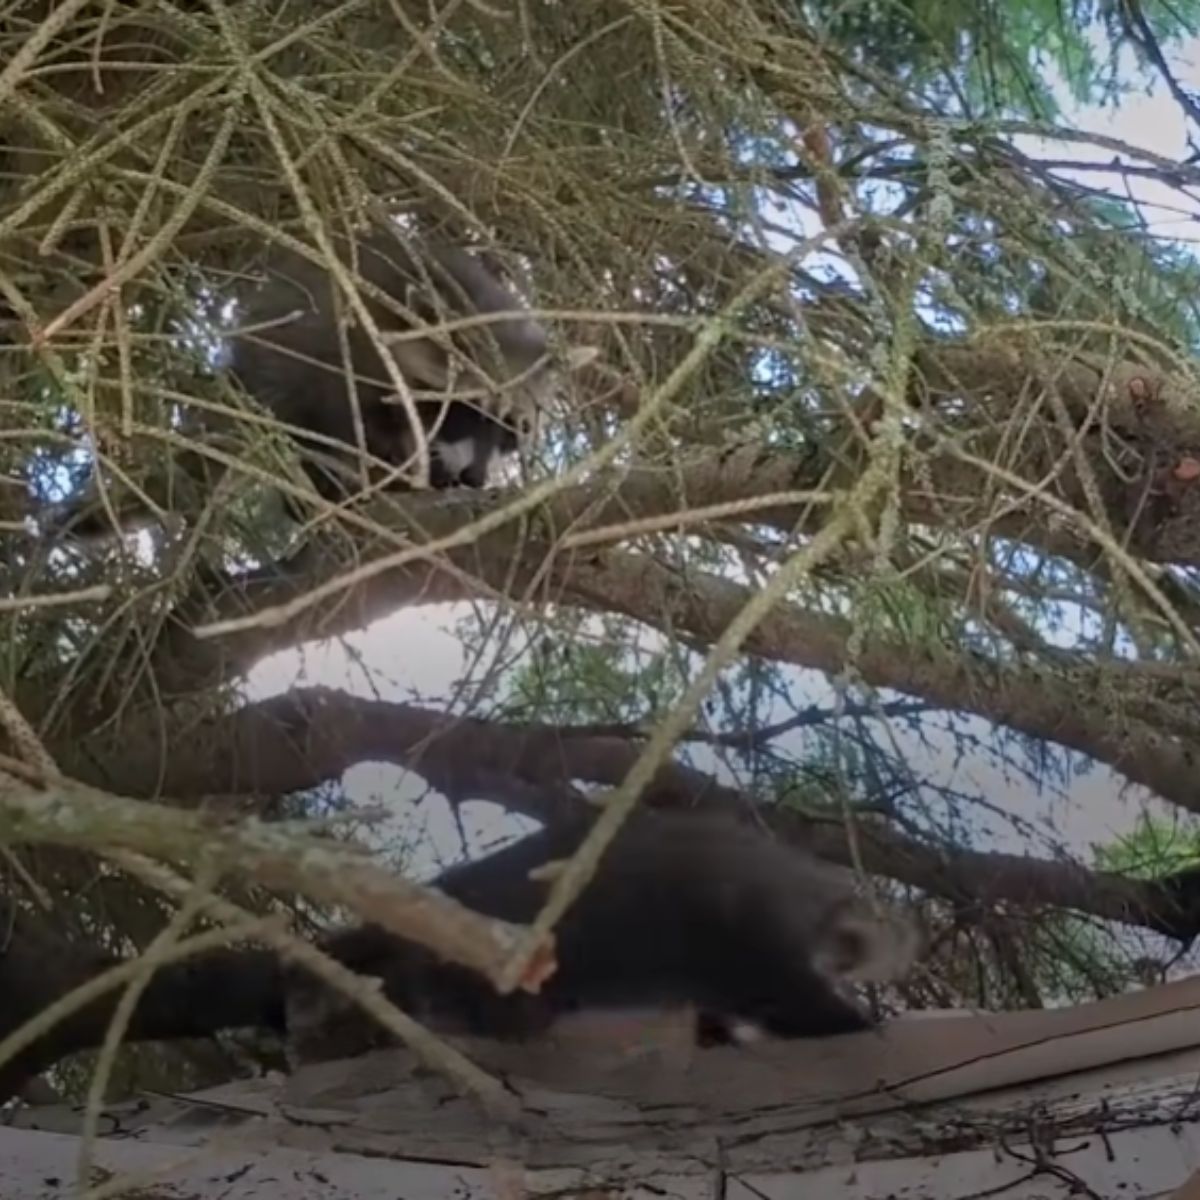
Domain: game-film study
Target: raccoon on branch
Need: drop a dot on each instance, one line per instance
(685, 911)
(478, 389)
(479, 369)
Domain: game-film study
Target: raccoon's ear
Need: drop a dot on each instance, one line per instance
(422, 364)
(578, 357)
(865, 946)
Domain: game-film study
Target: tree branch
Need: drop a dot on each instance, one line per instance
(307, 736)
(1043, 705)
(65, 813)
(512, 558)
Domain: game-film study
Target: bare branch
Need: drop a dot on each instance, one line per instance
(310, 735)
(71, 814)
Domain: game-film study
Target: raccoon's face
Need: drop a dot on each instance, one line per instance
(861, 945)
(462, 463)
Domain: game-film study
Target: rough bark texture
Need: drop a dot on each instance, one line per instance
(1095, 1102)
(313, 734)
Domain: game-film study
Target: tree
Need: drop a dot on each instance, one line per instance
(892, 440)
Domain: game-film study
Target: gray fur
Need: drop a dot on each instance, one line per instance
(478, 390)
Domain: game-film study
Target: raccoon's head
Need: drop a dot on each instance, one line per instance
(865, 943)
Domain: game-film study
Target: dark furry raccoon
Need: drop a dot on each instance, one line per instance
(478, 390)
(684, 910)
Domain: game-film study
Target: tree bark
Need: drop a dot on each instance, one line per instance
(311, 735)
(1093, 1102)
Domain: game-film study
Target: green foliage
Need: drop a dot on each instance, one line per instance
(1004, 55)
(895, 608)
(598, 677)
(1072, 960)
(1082, 960)
(1154, 847)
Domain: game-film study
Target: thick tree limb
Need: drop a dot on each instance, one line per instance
(514, 559)
(69, 814)
(1139, 402)
(298, 740)
(1042, 705)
